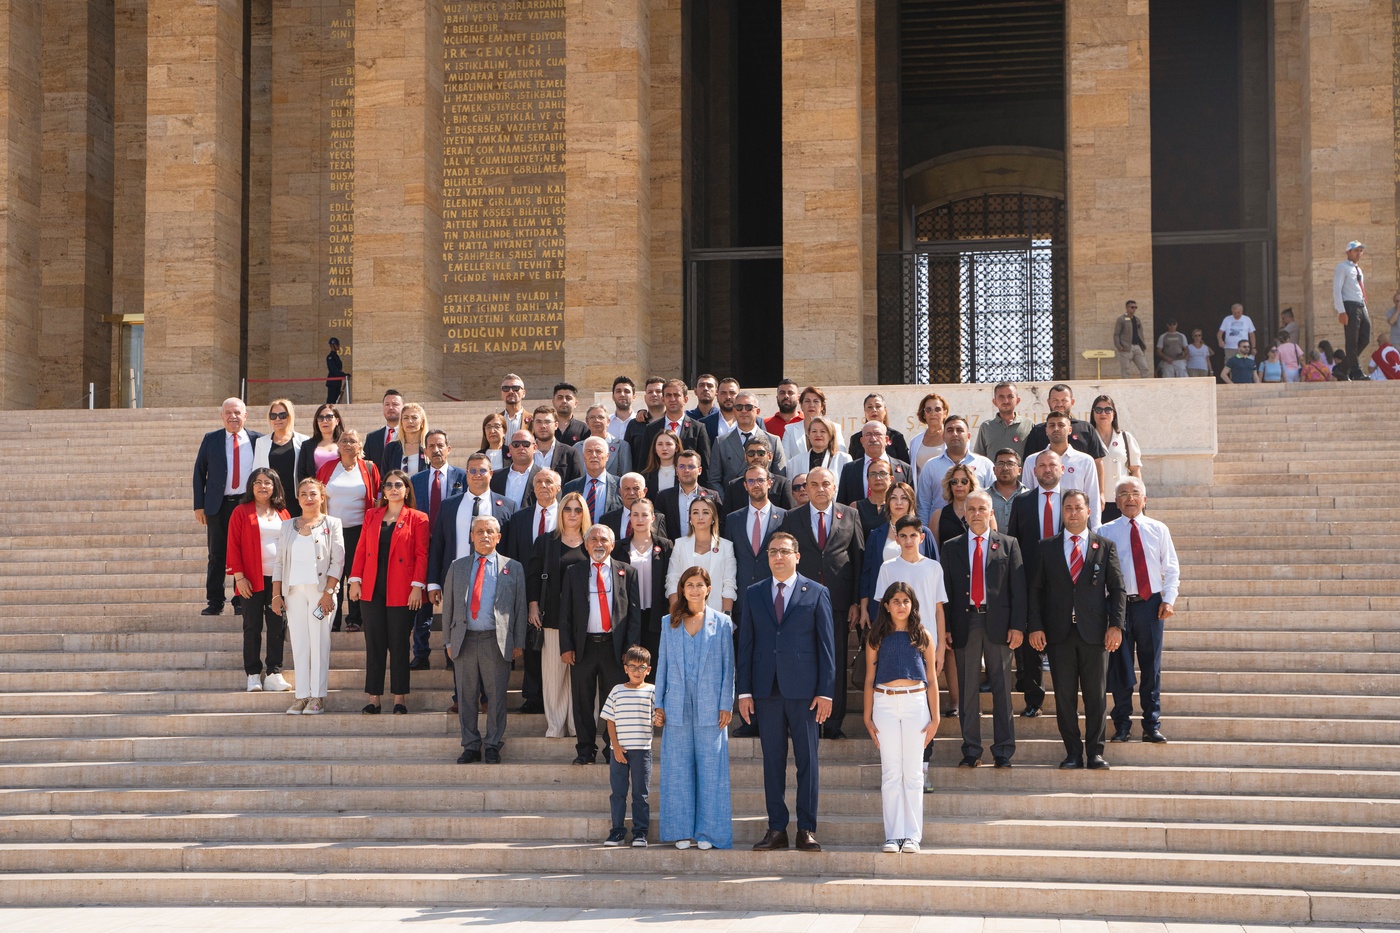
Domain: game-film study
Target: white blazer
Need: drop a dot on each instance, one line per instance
(835, 463)
(718, 562)
(262, 447)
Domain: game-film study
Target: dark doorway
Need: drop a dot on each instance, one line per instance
(732, 189)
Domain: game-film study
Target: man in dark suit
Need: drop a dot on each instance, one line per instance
(986, 616)
(570, 430)
(1082, 437)
(832, 546)
(785, 675)
(728, 461)
(1076, 610)
(675, 502)
(221, 471)
(431, 488)
(706, 411)
(377, 441)
(523, 529)
(635, 434)
(600, 617)
(749, 528)
(630, 488)
(516, 479)
(1035, 516)
(597, 486)
(691, 432)
(451, 535)
(853, 477)
(550, 453)
(756, 453)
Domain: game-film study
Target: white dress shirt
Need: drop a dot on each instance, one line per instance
(726, 427)
(686, 499)
(1348, 284)
(865, 479)
(617, 427)
(972, 540)
(595, 618)
(464, 520)
(1082, 544)
(517, 484)
(1163, 570)
(543, 458)
(757, 519)
(830, 510)
(439, 477)
(551, 516)
(1040, 494)
(1080, 473)
(236, 484)
(513, 424)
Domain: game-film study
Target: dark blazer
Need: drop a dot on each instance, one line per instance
(949, 525)
(571, 433)
(838, 567)
(728, 455)
(710, 421)
(1082, 437)
(852, 484)
(875, 553)
(896, 446)
(1098, 600)
(456, 485)
(392, 458)
(802, 663)
(211, 471)
(374, 445)
(660, 564)
(635, 437)
(693, 437)
(871, 515)
(542, 575)
(625, 608)
(611, 500)
(442, 550)
(749, 567)
(736, 494)
(1024, 526)
(564, 461)
(1004, 582)
(613, 519)
(516, 539)
(498, 485)
(668, 503)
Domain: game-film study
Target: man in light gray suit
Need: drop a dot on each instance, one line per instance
(483, 622)
(619, 454)
(727, 460)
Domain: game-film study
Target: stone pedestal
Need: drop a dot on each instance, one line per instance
(194, 195)
(398, 185)
(20, 106)
(1108, 171)
(607, 216)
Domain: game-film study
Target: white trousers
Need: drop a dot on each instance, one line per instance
(311, 640)
(558, 693)
(900, 721)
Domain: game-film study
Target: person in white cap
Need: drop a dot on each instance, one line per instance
(1349, 300)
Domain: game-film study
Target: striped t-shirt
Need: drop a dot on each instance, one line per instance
(631, 710)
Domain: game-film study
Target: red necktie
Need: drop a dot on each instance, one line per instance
(778, 603)
(1076, 560)
(604, 613)
(1144, 585)
(676, 427)
(757, 534)
(476, 586)
(979, 586)
(1047, 525)
(821, 531)
(435, 498)
(539, 531)
(234, 482)
(389, 437)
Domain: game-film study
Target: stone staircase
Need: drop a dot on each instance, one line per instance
(134, 770)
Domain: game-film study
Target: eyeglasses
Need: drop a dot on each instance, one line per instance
(479, 471)
(639, 668)
(687, 466)
(882, 474)
(757, 452)
(326, 416)
(394, 485)
(572, 510)
(960, 482)
(1006, 463)
(1102, 410)
(756, 481)
(780, 551)
(799, 485)
(279, 416)
(521, 444)
(512, 388)
(745, 407)
(261, 483)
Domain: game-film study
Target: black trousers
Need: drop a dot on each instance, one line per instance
(333, 390)
(352, 613)
(216, 532)
(1029, 676)
(1076, 665)
(257, 613)
(1358, 331)
(387, 629)
(596, 671)
(532, 681)
(842, 625)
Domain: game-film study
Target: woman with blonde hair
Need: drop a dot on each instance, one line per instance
(958, 483)
(280, 447)
(823, 448)
(305, 577)
(405, 452)
(553, 554)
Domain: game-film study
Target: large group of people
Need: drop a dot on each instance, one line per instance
(732, 577)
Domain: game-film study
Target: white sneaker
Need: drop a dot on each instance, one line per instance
(299, 707)
(682, 843)
(639, 842)
(891, 846)
(254, 683)
(704, 846)
(910, 847)
(276, 682)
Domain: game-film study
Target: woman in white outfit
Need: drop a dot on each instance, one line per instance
(310, 560)
(703, 547)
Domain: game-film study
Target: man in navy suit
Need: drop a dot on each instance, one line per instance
(451, 536)
(220, 478)
(786, 675)
(377, 441)
(750, 529)
(673, 417)
(597, 486)
(431, 488)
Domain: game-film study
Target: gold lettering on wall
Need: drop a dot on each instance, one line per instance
(338, 287)
(503, 188)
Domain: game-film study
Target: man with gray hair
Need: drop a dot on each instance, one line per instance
(597, 486)
(483, 625)
(727, 461)
(619, 454)
(221, 471)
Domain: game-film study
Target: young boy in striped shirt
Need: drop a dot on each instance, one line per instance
(628, 712)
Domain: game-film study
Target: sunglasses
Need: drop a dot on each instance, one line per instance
(479, 471)
(573, 510)
(512, 388)
(327, 417)
(520, 444)
(1101, 410)
(394, 485)
(959, 482)
(278, 416)
(745, 407)
(799, 485)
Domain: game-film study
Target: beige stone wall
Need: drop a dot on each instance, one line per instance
(261, 334)
(1348, 170)
(824, 223)
(20, 108)
(398, 184)
(1108, 171)
(129, 159)
(608, 190)
(1289, 121)
(193, 201)
(870, 198)
(667, 275)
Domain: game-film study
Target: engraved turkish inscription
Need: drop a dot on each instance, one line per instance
(503, 186)
(340, 159)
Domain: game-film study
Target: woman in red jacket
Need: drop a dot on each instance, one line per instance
(253, 532)
(389, 576)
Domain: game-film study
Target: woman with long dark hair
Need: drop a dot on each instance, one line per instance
(323, 446)
(254, 529)
(1124, 458)
(649, 553)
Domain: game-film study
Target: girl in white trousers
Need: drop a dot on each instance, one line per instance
(310, 561)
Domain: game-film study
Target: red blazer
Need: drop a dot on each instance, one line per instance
(245, 544)
(408, 555)
(368, 472)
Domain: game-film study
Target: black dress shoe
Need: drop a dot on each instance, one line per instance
(1155, 736)
(453, 709)
(746, 730)
(773, 839)
(493, 756)
(1098, 764)
(371, 708)
(1031, 712)
(834, 734)
(468, 757)
(585, 759)
(1072, 763)
(1002, 761)
(807, 841)
(531, 708)
(212, 611)
(400, 709)
(970, 762)
(986, 687)
(1121, 734)
(419, 664)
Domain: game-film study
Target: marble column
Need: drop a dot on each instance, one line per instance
(20, 107)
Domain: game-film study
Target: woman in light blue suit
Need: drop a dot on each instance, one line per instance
(694, 697)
